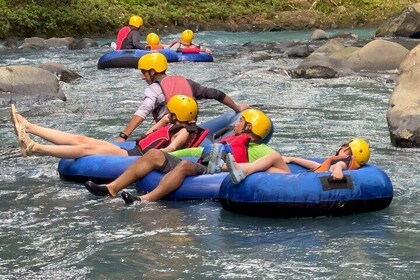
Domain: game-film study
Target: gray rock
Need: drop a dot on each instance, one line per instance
(67, 42)
(26, 84)
(403, 114)
(411, 59)
(85, 43)
(404, 24)
(299, 51)
(36, 43)
(315, 72)
(378, 55)
(62, 72)
(319, 34)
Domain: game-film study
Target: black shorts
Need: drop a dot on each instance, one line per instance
(134, 151)
(172, 161)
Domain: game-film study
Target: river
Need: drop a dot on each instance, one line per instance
(50, 229)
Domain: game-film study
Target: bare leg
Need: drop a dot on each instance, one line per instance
(68, 145)
(272, 163)
(152, 159)
(171, 181)
(58, 137)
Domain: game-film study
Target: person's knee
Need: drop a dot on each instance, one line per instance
(155, 156)
(185, 167)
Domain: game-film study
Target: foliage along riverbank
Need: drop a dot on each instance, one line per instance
(51, 18)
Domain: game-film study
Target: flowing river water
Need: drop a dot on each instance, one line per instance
(50, 229)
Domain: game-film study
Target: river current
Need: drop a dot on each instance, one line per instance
(50, 229)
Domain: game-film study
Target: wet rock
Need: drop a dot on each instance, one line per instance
(85, 43)
(63, 73)
(299, 51)
(315, 71)
(378, 55)
(403, 24)
(330, 47)
(345, 35)
(319, 34)
(403, 114)
(36, 43)
(26, 84)
(67, 42)
(282, 47)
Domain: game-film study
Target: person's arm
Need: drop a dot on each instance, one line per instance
(337, 170)
(201, 92)
(235, 107)
(132, 124)
(310, 164)
(159, 124)
(146, 107)
(179, 140)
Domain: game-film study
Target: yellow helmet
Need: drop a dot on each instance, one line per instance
(360, 150)
(152, 39)
(135, 21)
(155, 61)
(187, 36)
(261, 124)
(183, 107)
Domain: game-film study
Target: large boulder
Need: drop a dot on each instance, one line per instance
(40, 43)
(378, 55)
(404, 24)
(319, 34)
(66, 42)
(62, 72)
(403, 114)
(85, 43)
(26, 84)
(36, 43)
(412, 58)
(322, 63)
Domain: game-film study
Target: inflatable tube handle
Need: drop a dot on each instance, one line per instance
(328, 183)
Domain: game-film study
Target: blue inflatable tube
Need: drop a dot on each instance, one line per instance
(105, 168)
(308, 194)
(197, 57)
(130, 58)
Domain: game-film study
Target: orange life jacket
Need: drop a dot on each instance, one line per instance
(121, 36)
(348, 160)
(239, 144)
(155, 47)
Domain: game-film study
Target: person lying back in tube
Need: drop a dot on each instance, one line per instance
(185, 44)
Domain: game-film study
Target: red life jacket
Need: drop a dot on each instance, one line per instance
(348, 160)
(190, 49)
(162, 137)
(172, 85)
(239, 144)
(121, 36)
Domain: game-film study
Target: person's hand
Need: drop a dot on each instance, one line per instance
(286, 159)
(243, 107)
(337, 174)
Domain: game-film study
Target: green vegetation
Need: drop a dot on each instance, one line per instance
(48, 18)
